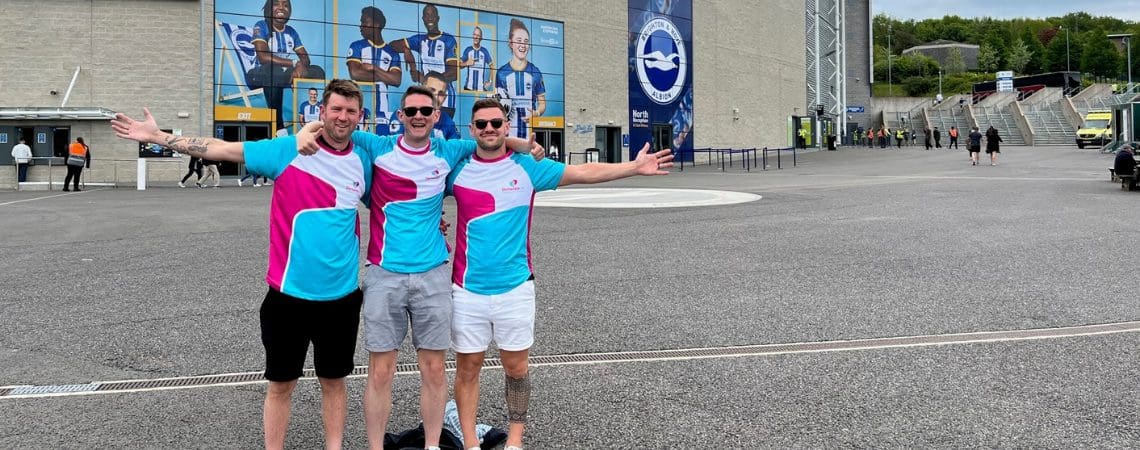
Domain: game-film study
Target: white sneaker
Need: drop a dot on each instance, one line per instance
(256, 184)
(239, 183)
(181, 185)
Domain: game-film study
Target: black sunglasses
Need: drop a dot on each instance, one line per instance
(495, 124)
(425, 111)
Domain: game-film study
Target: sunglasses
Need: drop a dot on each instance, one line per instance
(495, 124)
(425, 111)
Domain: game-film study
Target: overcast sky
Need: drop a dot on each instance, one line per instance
(1005, 9)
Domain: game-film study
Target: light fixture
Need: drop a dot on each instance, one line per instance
(54, 93)
(183, 115)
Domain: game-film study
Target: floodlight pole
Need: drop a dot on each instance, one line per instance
(890, 84)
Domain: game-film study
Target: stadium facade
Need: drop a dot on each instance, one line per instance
(599, 74)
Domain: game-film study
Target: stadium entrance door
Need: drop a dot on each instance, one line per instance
(551, 140)
(238, 132)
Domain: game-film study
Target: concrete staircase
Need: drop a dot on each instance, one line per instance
(943, 119)
(1049, 125)
(999, 117)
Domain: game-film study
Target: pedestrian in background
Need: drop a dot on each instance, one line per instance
(974, 145)
(22, 154)
(78, 157)
(210, 168)
(992, 144)
(195, 167)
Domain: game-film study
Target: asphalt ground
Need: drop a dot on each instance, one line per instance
(119, 284)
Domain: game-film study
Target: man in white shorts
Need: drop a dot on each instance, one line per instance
(492, 280)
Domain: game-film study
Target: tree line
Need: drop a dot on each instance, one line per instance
(1076, 41)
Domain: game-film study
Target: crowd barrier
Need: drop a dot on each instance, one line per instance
(726, 157)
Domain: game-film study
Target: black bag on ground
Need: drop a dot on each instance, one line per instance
(414, 439)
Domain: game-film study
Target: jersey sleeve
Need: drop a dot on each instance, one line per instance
(452, 47)
(270, 157)
(539, 85)
(413, 43)
(354, 51)
(454, 150)
(395, 65)
(544, 175)
(296, 38)
(261, 31)
(467, 54)
(371, 145)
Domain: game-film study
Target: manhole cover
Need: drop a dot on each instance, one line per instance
(639, 198)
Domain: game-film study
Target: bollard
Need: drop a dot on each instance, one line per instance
(141, 179)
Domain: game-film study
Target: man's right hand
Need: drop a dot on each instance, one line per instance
(145, 131)
(307, 137)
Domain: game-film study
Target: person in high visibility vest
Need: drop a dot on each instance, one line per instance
(803, 136)
(898, 137)
(78, 157)
(953, 138)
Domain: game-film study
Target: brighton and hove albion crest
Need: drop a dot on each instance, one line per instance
(661, 64)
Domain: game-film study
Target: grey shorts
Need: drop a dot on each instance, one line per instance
(392, 299)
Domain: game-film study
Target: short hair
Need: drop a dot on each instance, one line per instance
(432, 74)
(344, 88)
(312, 89)
(485, 103)
(480, 30)
(376, 14)
(419, 90)
(516, 24)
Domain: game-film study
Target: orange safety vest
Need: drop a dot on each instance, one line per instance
(77, 149)
(954, 132)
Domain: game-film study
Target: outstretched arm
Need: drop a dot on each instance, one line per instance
(202, 147)
(645, 164)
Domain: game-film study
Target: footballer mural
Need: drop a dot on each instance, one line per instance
(661, 75)
(272, 54)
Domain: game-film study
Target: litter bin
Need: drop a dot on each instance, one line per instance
(831, 142)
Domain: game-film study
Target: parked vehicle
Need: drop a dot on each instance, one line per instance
(1096, 128)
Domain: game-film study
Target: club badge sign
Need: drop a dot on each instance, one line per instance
(661, 76)
(662, 66)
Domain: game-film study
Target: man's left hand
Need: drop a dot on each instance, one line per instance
(651, 163)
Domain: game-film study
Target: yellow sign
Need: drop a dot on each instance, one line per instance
(226, 113)
(547, 122)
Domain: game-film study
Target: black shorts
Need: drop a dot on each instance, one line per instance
(289, 324)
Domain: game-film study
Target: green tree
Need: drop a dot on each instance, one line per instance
(1037, 57)
(919, 86)
(988, 60)
(1019, 56)
(955, 63)
(1099, 56)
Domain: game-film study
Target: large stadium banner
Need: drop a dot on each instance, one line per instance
(277, 55)
(661, 74)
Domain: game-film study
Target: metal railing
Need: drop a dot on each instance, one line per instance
(97, 175)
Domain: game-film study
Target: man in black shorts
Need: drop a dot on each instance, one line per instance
(314, 252)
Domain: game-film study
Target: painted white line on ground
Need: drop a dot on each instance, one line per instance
(47, 197)
(930, 340)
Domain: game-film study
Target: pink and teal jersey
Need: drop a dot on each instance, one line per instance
(314, 232)
(408, 200)
(495, 200)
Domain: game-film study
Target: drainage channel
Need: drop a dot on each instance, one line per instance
(233, 379)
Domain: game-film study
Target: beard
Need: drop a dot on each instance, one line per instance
(490, 144)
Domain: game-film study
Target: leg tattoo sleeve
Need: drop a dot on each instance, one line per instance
(518, 398)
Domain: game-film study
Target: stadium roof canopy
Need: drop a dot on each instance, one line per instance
(55, 113)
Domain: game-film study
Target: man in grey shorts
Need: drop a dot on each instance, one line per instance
(407, 278)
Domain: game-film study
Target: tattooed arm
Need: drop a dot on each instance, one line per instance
(202, 147)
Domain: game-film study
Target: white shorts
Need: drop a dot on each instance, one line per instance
(507, 318)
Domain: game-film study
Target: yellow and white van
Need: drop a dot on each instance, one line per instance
(1096, 128)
